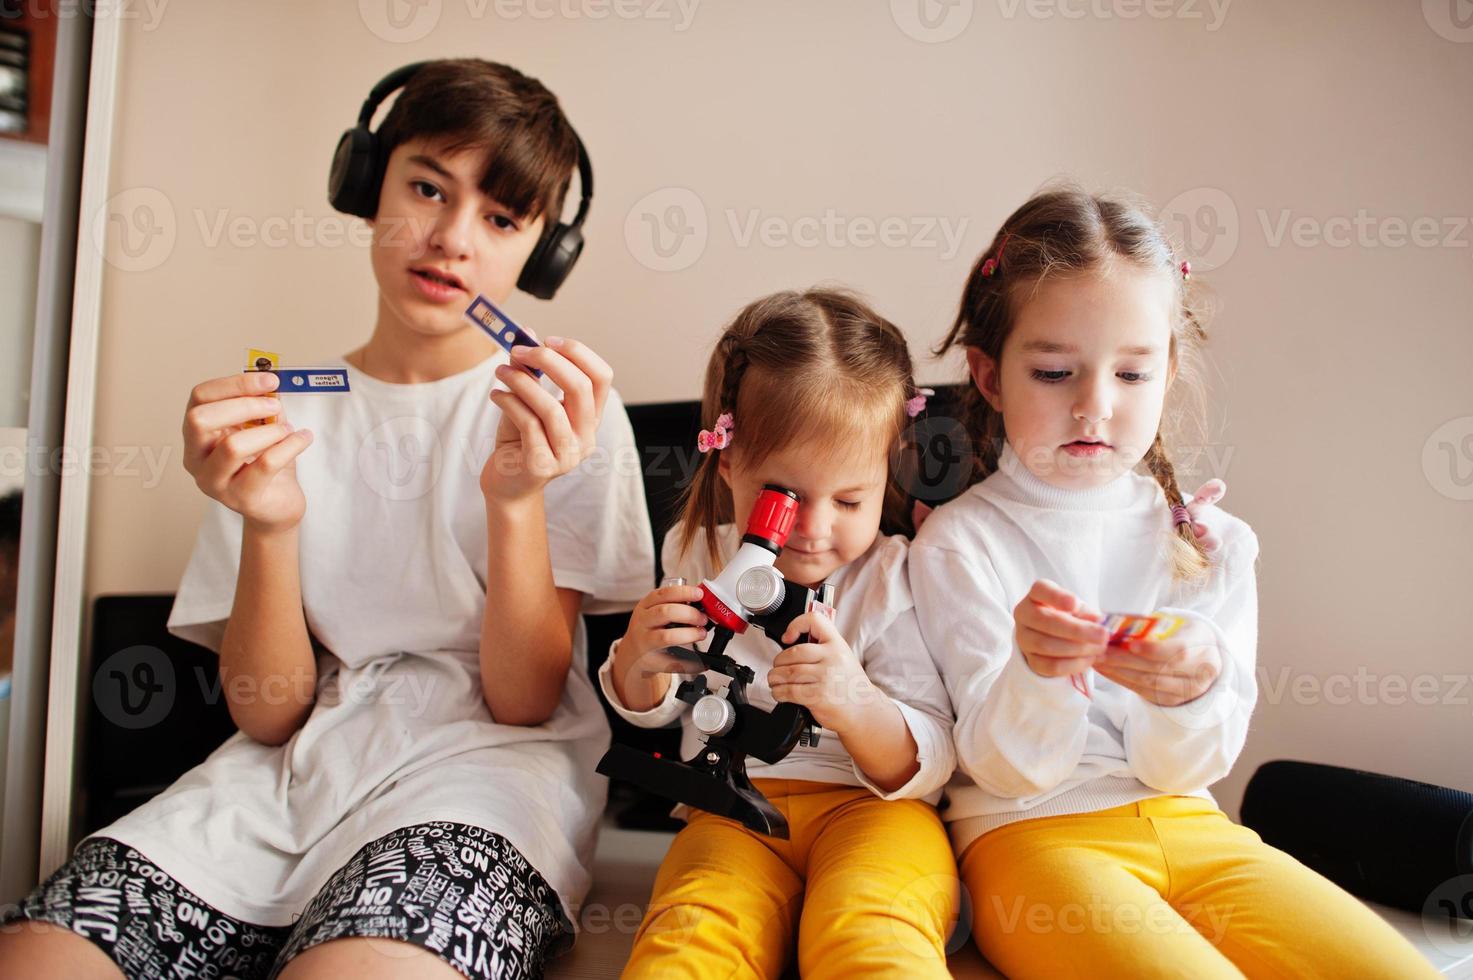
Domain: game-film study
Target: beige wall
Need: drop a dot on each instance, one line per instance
(1335, 366)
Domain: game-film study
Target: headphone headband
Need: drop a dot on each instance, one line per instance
(395, 79)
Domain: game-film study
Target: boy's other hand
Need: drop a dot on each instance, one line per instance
(541, 437)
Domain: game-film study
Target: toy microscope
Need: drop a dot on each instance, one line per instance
(749, 591)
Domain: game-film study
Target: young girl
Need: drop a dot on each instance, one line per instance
(817, 387)
(1087, 837)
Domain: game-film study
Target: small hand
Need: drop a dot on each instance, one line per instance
(250, 469)
(1057, 632)
(1208, 494)
(542, 437)
(1167, 672)
(823, 675)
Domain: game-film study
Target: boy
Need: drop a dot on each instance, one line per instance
(395, 592)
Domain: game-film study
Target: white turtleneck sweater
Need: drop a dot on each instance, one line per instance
(1030, 746)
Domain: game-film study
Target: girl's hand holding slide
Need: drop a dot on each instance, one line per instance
(1168, 672)
(1057, 632)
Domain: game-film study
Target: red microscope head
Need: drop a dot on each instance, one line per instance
(768, 527)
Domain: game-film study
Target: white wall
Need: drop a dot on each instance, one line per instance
(1336, 367)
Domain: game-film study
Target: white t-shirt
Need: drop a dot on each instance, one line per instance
(875, 615)
(1031, 746)
(393, 572)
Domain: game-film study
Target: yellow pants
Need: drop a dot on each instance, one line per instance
(868, 887)
(1165, 887)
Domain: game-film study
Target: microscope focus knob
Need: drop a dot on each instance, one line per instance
(713, 715)
(760, 589)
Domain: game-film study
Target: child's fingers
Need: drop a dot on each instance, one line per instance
(1163, 689)
(1118, 671)
(584, 402)
(577, 396)
(232, 386)
(1050, 593)
(1208, 493)
(554, 419)
(529, 426)
(1044, 645)
(1153, 654)
(201, 420)
(203, 424)
(819, 628)
(802, 653)
(1053, 667)
(677, 636)
(795, 674)
(675, 593)
(1065, 626)
(1130, 659)
(804, 694)
(235, 451)
(273, 461)
(594, 367)
(677, 612)
(1205, 537)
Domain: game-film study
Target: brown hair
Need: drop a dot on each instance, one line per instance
(470, 104)
(1067, 232)
(818, 368)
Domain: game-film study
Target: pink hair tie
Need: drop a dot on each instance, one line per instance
(718, 437)
(1180, 515)
(992, 264)
(917, 404)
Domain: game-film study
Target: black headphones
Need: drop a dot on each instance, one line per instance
(357, 175)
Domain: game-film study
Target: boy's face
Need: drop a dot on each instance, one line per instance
(438, 240)
(1084, 375)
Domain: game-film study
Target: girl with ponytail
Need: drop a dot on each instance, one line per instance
(811, 391)
(1081, 802)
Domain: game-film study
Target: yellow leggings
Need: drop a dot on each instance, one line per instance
(1168, 886)
(867, 886)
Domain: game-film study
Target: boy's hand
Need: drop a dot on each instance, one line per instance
(655, 624)
(541, 437)
(1167, 672)
(1057, 632)
(252, 471)
(823, 675)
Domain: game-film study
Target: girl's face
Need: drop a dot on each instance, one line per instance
(433, 221)
(840, 499)
(1083, 375)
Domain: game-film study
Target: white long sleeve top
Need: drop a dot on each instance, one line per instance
(1030, 746)
(875, 615)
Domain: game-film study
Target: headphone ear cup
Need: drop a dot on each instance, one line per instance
(353, 181)
(551, 261)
